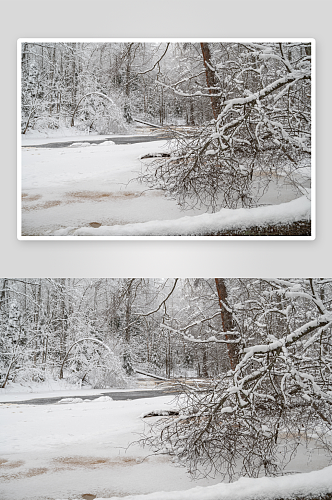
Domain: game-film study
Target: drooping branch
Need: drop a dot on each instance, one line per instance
(269, 89)
(156, 63)
(162, 303)
(324, 321)
(210, 340)
(87, 95)
(90, 339)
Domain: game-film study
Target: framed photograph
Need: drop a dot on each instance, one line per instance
(166, 139)
(165, 388)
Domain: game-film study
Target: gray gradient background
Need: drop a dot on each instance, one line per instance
(153, 19)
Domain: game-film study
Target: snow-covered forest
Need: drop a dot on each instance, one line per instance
(248, 359)
(233, 119)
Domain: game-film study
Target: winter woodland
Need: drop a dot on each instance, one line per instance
(249, 361)
(233, 119)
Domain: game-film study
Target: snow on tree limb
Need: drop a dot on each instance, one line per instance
(281, 387)
(89, 339)
(100, 94)
(324, 321)
(257, 134)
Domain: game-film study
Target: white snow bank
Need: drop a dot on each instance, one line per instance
(70, 400)
(70, 188)
(101, 399)
(107, 143)
(224, 220)
(16, 391)
(314, 483)
(79, 145)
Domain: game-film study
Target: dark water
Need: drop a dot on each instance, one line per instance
(117, 140)
(116, 396)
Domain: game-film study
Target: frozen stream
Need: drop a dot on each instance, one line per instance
(94, 184)
(67, 450)
(81, 448)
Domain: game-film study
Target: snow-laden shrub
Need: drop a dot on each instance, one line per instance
(110, 121)
(110, 125)
(104, 377)
(29, 373)
(93, 362)
(102, 113)
(46, 122)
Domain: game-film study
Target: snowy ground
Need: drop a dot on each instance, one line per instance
(76, 448)
(71, 449)
(71, 191)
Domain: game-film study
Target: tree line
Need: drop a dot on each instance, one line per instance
(94, 331)
(57, 76)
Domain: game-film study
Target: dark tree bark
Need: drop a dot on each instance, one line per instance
(3, 294)
(227, 322)
(205, 372)
(307, 49)
(211, 80)
(25, 57)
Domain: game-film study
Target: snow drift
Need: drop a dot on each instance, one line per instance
(205, 224)
(312, 484)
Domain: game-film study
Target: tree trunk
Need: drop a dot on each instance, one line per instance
(168, 357)
(8, 371)
(63, 317)
(205, 373)
(25, 58)
(74, 78)
(227, 322)
(128, 316)
(3, 294)
(161, 105)
(211, 80)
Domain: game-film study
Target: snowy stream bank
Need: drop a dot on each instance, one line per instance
(79, 447)
(91, 190)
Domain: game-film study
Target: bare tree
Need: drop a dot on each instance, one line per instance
(260, 95)
(253, 418)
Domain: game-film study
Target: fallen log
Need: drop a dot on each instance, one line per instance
(147, 123)
(160, 413)
(151, 375)
(156, 155)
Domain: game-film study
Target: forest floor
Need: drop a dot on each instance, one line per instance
(82, 449)
(72, 190)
